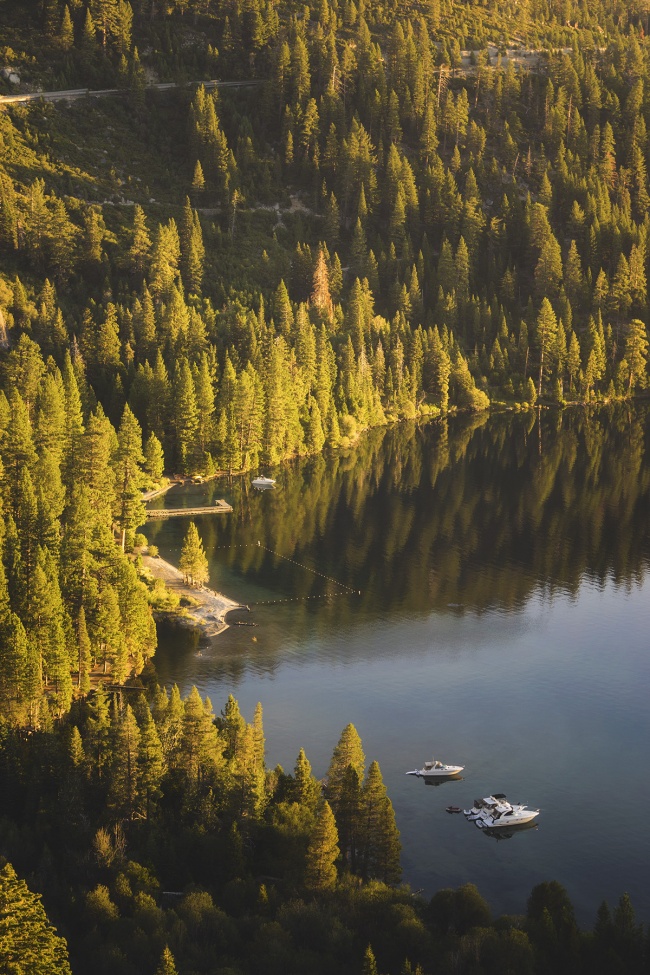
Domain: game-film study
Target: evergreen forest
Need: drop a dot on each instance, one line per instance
(273, 227)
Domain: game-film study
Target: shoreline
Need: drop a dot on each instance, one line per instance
(209, 613)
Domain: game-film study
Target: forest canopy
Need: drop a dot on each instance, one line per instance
(336, 215)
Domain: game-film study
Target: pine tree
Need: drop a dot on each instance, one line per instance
(379, 836)
(192, 249)
(205, 404)
(159, 404)
(249, 777)
(45, 625)
(193, 562)
(125, 767)
(18, 451)
(300, 73)
(321, 297)
(49, 417)
(151, 763)
(369, 966)
(28, 941)
(167, 965)
(154, 458)
(123, 25)
(185, 417)
(140, 246)
(620, 296)
(107, 341)
(24, 370)
(137, 81)
(332, 220)
(322, 853)
(573, 359)
(98, 724)
(636, 352)
(348, 817)
(282, 310)
(201, 747)
(107, 632)
(170, 724)
(198, 179)
(359, 251)
(314, 434)
(280, 405)
(348, 752)
(548, 271)
(76, 550)
(546, 331)
(25, 509)
(76, 748)
(138, 626)
(638, 278)
(258, 737)
(306, 789)
(8, 213)
(129, 510)
(165, 258)
(233, 726)
(13, 662)
(85, 657)
(88, 38)
(74, 427)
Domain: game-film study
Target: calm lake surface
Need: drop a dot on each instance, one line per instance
(503, 623)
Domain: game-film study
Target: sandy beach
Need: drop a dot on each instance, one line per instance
(211, 607)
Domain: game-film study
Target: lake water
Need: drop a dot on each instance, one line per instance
(496, 616)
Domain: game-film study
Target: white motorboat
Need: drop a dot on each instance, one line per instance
(436, 770)
(495, 812)
(263, 482)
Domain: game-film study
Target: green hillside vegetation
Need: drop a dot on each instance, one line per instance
(420, 209)
(159, 838)
(440, 232)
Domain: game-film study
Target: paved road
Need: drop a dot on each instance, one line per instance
(74, 94)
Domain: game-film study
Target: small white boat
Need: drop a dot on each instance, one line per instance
(495, 812)
(263, 482)
(436, 770)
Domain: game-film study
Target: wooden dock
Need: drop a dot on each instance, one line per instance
(218, 508)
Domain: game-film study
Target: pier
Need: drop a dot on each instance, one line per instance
(219, 507)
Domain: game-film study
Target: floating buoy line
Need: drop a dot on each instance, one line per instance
(304, 599)
(344, 590)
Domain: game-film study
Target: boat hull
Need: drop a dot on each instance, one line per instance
(446, 772)
(508, 822)
(495, 812)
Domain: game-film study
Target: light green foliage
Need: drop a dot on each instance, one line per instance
(379, 836)
(28, 942)
(167, 965)
(201, 746)
(382, 233)
(348, 753)
(369, 966)
(124, 773)
(322, 853)
(193, 562)
(154, 458)
(129, 508)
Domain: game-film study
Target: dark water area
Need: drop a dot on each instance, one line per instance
(474, 590)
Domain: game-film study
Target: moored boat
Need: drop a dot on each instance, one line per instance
(436, 770)
(263, 482)
(495, 812)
